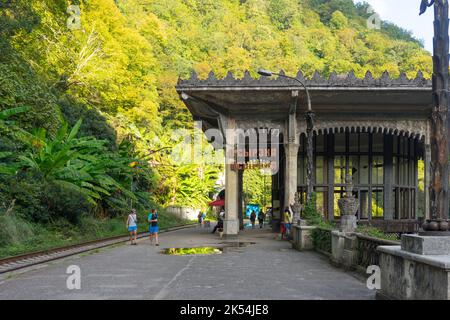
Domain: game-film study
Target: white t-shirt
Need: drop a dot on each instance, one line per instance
(132, 219)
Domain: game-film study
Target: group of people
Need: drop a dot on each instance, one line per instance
(153, 229)
(221, 217)
(261, 217)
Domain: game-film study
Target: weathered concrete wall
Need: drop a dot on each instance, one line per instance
(337, 247)
(408, 276)
(183, 212)
(343, 249)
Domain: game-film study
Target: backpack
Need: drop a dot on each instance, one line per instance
(153, 217)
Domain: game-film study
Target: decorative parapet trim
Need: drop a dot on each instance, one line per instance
(334, 80)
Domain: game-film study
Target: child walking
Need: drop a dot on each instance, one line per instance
(132, 226)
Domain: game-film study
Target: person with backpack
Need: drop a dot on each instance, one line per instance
(153, 228)
(132, 226)
(261, 217)
(253, 218)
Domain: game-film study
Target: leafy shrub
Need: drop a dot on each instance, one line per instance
(376, 233)
(26, 190)
(310, 213)
(313, 217)
(37, 200)
(63, 200)
(94, 124)
(321, 239)
(14, 230)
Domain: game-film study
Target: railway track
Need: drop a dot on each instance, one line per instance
(30, 259)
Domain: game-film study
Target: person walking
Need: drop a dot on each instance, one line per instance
(200, 219)
(203, 218)
(261, 217)
(153, 228)
(132, 226)
(253, 219)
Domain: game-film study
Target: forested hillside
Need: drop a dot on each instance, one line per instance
(86, 115)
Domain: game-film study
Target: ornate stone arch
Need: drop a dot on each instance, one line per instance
(416, 129)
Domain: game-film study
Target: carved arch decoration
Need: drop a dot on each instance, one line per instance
(416, 129)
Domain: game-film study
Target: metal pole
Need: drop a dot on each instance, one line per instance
(310, 116)
(309, 154)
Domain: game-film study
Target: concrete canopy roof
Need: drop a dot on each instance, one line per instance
(271, 99)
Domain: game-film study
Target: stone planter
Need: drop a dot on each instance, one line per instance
(302, 237)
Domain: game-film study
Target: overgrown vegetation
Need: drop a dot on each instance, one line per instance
(321, 239)
(313, 217)
(257, 188)
(376, 233)
(321, 236)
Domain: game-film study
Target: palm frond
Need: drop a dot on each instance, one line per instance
(5, 114)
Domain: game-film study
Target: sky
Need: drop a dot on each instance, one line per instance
(405, 13)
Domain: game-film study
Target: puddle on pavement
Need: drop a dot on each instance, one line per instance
(237, 244)
(226, 247)
(191, 251)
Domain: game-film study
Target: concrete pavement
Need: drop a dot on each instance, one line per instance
(268, 269)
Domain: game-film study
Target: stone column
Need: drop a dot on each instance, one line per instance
(388, 177)
(291, 155)
(290, 182)
(426, 187)
(240, 204)
(231, 222)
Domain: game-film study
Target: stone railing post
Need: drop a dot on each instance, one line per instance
(344, 241)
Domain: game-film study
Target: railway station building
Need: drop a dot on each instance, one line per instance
(376, 129)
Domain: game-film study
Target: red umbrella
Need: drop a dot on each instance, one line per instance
(217, 203)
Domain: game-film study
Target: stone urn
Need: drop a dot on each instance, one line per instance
(348, 205)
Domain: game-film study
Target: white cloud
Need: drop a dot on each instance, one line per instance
(380, 6)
